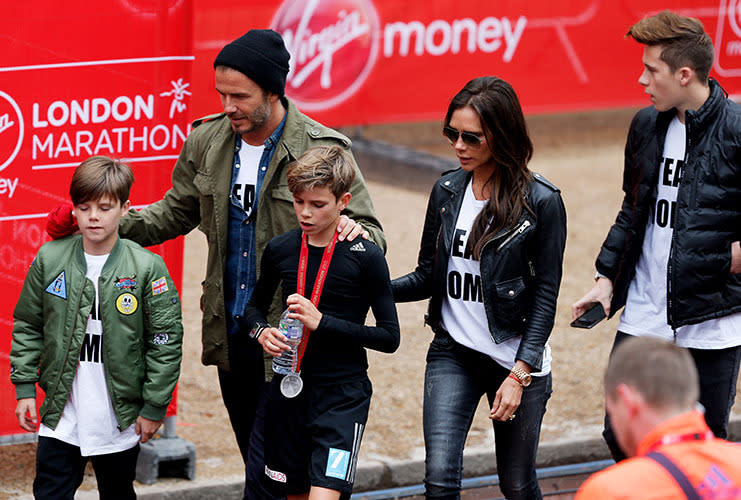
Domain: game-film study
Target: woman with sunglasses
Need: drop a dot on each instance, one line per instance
(490, 262)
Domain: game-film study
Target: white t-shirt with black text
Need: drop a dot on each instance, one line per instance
(245, 185)
(88, 420)
(645, 312)
(463, 313)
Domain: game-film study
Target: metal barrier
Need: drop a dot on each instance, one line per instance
(486, 481)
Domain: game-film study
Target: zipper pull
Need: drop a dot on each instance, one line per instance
(514, 233)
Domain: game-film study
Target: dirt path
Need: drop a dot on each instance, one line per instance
(582, 155)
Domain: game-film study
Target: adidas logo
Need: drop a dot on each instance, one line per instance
(358, 247)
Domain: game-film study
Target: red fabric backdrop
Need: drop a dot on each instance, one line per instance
(78, 79)
(125, 77)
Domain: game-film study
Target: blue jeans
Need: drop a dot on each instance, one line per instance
(455, 379)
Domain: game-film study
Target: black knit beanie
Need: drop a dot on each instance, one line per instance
(261, 55)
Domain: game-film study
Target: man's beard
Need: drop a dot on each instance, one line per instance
(258, 118)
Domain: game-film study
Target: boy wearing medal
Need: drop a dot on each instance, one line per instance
(312, 438)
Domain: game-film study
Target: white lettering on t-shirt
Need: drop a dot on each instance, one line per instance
(245, 185)
(88, 420)
(463, 313)
(645, 312)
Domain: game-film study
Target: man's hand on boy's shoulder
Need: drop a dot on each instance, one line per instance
(25, 411)
(146, 428)
(60, 222)
(349, 229)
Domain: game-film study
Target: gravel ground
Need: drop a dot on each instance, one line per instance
(582, 155)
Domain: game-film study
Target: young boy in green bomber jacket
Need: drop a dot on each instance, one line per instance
(98, 327)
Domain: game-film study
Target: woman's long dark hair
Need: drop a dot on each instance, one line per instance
(496, 103)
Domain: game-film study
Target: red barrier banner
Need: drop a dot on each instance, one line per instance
(371, 61)
(117, 78)
(80, 79)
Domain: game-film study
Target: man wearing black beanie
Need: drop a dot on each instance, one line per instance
(230, 182)
(261, 56)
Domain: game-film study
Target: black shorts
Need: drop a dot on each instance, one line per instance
(314, 438)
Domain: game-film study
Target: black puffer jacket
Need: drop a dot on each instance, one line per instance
(520, 266)
(708, 211)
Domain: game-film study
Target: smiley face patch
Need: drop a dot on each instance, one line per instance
(126, 303)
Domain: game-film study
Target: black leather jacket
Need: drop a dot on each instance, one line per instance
(520, 266)
(707, 217)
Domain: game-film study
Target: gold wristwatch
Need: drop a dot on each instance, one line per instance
(524, 377)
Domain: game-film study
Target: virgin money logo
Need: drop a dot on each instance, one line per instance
(728, 39)
(734, 16)
(11, 129)
(333, 46)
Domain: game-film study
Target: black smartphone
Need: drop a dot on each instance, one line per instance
(591, 317)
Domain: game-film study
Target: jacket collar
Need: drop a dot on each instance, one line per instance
(288, 145)
(457, 181)
(80, 255)
(291, 140)
(700, 119)
(710, 110)
(455, 184)
(692, 422)
(226, 141)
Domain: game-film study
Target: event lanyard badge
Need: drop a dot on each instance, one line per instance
(292, 384)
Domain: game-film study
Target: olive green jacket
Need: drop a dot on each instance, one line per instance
(200, 197)
(142, 329)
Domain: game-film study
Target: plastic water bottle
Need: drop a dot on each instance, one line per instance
(293, 329)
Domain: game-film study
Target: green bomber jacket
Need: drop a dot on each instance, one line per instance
(199, 196)
(142, 329)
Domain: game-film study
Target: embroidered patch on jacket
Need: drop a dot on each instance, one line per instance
(126, 303)
(337, 463)
(58, 287)
(159, 286)
(358, 247)
(126, 283)
(275, 475)
(160, 338)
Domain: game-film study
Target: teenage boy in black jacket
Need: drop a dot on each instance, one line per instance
(672, 258)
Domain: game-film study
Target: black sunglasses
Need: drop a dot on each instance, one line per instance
(469, 138)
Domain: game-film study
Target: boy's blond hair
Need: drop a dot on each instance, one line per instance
(99, 176)
(329, 166)
(683, 39)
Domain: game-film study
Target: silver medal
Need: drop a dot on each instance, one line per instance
(291, 385)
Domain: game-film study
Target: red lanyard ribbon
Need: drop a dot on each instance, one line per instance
(321, 276)
(681, 438)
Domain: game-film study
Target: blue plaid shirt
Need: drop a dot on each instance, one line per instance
(240, 275)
